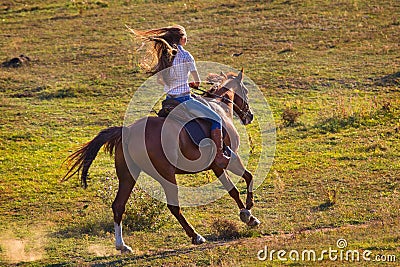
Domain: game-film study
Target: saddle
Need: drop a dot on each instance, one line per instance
(194, 127)
(167, 106)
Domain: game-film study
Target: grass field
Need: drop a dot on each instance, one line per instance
(333, 66)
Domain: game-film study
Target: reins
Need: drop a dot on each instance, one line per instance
(223, 98)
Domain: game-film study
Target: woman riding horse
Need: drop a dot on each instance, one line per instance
(139, 147)
(173, 64)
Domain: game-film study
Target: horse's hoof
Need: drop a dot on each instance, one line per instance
(245, 215)
(198, 239)
(124, 249)
(253, 221)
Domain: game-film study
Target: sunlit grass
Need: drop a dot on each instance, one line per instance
(336, 166)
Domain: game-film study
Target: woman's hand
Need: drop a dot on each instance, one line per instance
(194, 85)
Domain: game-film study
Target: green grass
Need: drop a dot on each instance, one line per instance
(335, 62)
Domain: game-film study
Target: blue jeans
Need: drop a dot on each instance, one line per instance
(198, 109)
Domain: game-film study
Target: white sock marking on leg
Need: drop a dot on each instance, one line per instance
(119, 241)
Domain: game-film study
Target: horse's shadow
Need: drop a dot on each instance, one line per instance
(118, 260)
(99, 228)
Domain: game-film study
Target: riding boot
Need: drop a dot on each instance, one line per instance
(220, 158)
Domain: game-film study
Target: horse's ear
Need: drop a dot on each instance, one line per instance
(223, 75)
(240, 75)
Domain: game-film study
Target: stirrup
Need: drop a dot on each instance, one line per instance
(224, 164)
(228, 152)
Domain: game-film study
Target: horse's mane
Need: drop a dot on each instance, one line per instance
(216, 80)
(219, 78)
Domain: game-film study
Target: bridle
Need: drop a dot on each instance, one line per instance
(242, 111)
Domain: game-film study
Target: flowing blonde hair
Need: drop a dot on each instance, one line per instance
(164, 46)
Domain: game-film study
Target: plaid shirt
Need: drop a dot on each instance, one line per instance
(181, 67)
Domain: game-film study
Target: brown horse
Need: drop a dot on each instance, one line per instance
(139, 147)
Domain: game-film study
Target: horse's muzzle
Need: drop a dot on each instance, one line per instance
(248, 119)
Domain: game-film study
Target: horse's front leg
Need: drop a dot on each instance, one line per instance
(229, 186)
(236, 166)
(248, 177)
(245, 215)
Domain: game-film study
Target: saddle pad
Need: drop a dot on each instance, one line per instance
(195, 131)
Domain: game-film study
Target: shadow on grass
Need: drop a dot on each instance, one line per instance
(389, 80)
(334, 124)
(118, 261)
(92, 227)
(100, 228)
(323, 207)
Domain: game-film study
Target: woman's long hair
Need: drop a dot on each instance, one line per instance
(161, 53)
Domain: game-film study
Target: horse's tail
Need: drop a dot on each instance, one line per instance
(83, 158)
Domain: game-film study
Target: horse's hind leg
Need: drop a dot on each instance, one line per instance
(171, 192)
(127, 180)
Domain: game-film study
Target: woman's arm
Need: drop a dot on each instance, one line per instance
(196, 79)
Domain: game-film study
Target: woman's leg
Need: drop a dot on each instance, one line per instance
(198, 109)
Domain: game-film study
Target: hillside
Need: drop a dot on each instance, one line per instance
(329, 70)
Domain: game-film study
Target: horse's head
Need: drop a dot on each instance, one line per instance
(240, 100)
